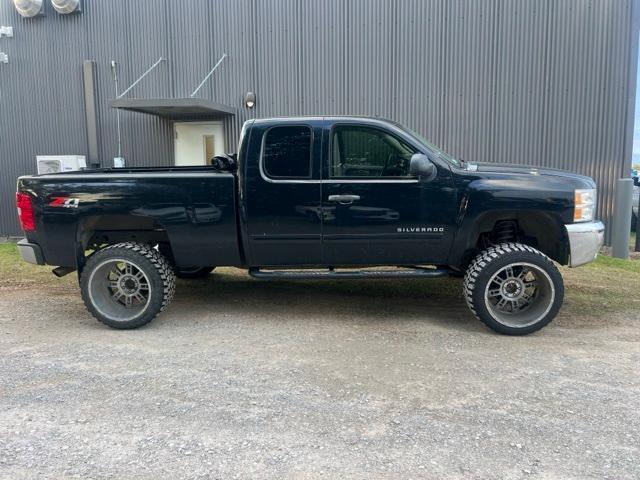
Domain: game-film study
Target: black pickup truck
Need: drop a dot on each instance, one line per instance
(314, 198)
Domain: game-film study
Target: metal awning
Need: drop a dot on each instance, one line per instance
(174, 108)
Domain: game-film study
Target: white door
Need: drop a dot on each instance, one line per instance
(197, 143)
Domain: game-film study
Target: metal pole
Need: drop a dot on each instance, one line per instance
(209, 75)
(141, 77)
(622, 218)
(90, 110)
(114, 69)
(637, 245)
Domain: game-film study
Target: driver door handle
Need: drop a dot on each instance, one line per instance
(344, 199)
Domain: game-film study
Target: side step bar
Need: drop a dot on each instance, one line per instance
(413, 272)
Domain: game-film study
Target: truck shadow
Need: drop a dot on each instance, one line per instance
(232, 292)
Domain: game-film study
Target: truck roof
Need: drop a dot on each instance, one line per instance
(333, 118)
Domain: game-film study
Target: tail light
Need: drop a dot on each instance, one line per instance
(25, 212)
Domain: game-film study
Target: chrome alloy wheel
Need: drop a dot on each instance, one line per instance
(119, 289)
(519, 295)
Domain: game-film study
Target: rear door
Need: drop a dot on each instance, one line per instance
(282, 194)
(197, 143)
(374, 212)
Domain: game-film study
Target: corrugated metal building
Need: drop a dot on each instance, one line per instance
(538, 82)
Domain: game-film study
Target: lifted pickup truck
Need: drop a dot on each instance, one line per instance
(313, 198)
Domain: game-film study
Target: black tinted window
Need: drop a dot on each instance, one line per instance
(368, 152)
(287, 152)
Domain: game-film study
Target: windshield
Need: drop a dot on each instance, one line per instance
(437, 151)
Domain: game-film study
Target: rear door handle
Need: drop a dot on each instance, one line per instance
(344, 199)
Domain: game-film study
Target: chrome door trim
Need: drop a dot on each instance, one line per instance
(373, 180)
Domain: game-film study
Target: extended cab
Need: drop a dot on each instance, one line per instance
(311, 198)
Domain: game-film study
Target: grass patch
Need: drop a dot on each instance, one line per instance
(609, 263)
(14, 272)
(605, 285)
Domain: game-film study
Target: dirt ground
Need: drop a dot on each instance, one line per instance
(368, 379)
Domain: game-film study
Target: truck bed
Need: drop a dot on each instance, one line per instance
(191, 206)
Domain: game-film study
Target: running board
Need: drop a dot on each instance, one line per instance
(418, 272)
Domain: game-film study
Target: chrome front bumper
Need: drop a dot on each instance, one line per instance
(585, 241)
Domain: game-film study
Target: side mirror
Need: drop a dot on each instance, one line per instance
(421, 166)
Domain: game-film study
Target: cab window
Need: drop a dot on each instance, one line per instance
(287, 152)
(358, 151)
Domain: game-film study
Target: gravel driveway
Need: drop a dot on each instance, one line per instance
(242, 379)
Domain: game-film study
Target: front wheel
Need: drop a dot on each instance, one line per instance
(513, 288)
(127, 285)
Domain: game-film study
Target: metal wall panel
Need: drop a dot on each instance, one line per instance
(538, 82)
(369, 40)
(468, 65)
(419, 76)
(43, 77)
(518, 116)
(277, 57)
(587, 89)
(322, 33)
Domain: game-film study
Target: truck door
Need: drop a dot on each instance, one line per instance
(282, 195)
(374, 212)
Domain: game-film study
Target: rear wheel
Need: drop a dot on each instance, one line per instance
(199, 272)
(127, 285)
(513, 288)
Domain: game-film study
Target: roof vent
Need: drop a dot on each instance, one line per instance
(65, 7)
(29, 8)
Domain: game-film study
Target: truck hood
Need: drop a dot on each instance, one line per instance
(525, 170)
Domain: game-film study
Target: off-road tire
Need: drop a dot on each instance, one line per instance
(195, 273)
(154, 265)
(484, 267)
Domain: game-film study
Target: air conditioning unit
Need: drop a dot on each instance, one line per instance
(60, 163)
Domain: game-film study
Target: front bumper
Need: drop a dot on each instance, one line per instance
(30, 252)
(585, 241)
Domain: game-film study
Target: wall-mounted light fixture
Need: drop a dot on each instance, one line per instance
(65, 7)
(4, 58)
(6, 31)
(250, 99)
(29, 8)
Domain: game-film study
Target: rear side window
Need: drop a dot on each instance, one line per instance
(287, 152)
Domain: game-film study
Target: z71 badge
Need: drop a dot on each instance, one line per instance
(64, 202)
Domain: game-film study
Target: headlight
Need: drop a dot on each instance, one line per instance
(585, 205)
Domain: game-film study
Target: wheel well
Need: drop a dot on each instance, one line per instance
(99, 232)
(538, 230)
